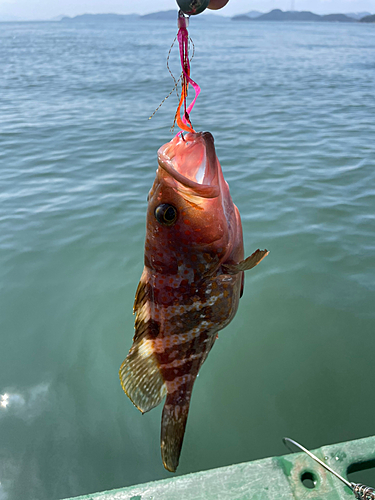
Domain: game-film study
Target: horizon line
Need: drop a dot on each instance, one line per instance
(216, 14)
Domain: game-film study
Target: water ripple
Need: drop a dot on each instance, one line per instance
(292, 111)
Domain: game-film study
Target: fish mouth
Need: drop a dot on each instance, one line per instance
(191, 161)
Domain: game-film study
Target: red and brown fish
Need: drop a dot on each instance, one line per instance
(191, 283)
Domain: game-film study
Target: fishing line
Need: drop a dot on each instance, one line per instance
(174, 79)
(183, 40)
(191, 46)
(169, 69)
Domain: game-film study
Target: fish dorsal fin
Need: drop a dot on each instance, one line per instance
(141, 309)
(246, 264)
(140, 295)
(139, 374)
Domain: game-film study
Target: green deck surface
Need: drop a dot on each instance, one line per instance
(277, 478)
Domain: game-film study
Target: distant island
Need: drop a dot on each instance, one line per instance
(368, 19)
(171, 15)
(279, 15)
(358, 15)
(84, 18)
(253, 16)
(165, 15)
(253, 13)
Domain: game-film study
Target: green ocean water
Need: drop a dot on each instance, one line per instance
(291, 107)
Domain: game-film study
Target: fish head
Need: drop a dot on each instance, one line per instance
(191, 218)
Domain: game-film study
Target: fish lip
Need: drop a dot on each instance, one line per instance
(203, 190)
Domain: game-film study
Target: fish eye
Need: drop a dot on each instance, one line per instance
(166, 214)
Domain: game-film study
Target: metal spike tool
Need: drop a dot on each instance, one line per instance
(361, 491)
(192, 7)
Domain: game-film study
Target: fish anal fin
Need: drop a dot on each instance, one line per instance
(246, 264)
(173, 425)
(140, 376)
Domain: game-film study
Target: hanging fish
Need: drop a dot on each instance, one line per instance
(191, 283)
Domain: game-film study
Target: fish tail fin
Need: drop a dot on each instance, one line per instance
(173, 423)
(140, 376)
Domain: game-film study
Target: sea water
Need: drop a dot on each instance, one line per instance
(291, 107)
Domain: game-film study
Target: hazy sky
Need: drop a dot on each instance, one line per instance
(45, 9)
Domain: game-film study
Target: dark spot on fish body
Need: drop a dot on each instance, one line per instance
(167, 356)
(186, 241)
(189, 366)
(168, 265)
(190, 319)
(163, 296)
(159, 266)
(196, 348)
(153, 329)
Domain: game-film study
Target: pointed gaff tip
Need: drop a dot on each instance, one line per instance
(288, 442)
(320, 462)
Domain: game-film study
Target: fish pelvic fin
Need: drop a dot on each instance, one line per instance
(173, 423)
(246, 264)
(140, 376)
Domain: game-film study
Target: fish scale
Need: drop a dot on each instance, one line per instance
(190, 286)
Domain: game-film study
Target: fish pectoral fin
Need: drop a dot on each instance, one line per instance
(246, 264)
(173, 423)
(140, 376)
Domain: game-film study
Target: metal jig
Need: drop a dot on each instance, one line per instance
(361, 491)
(192, 7)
